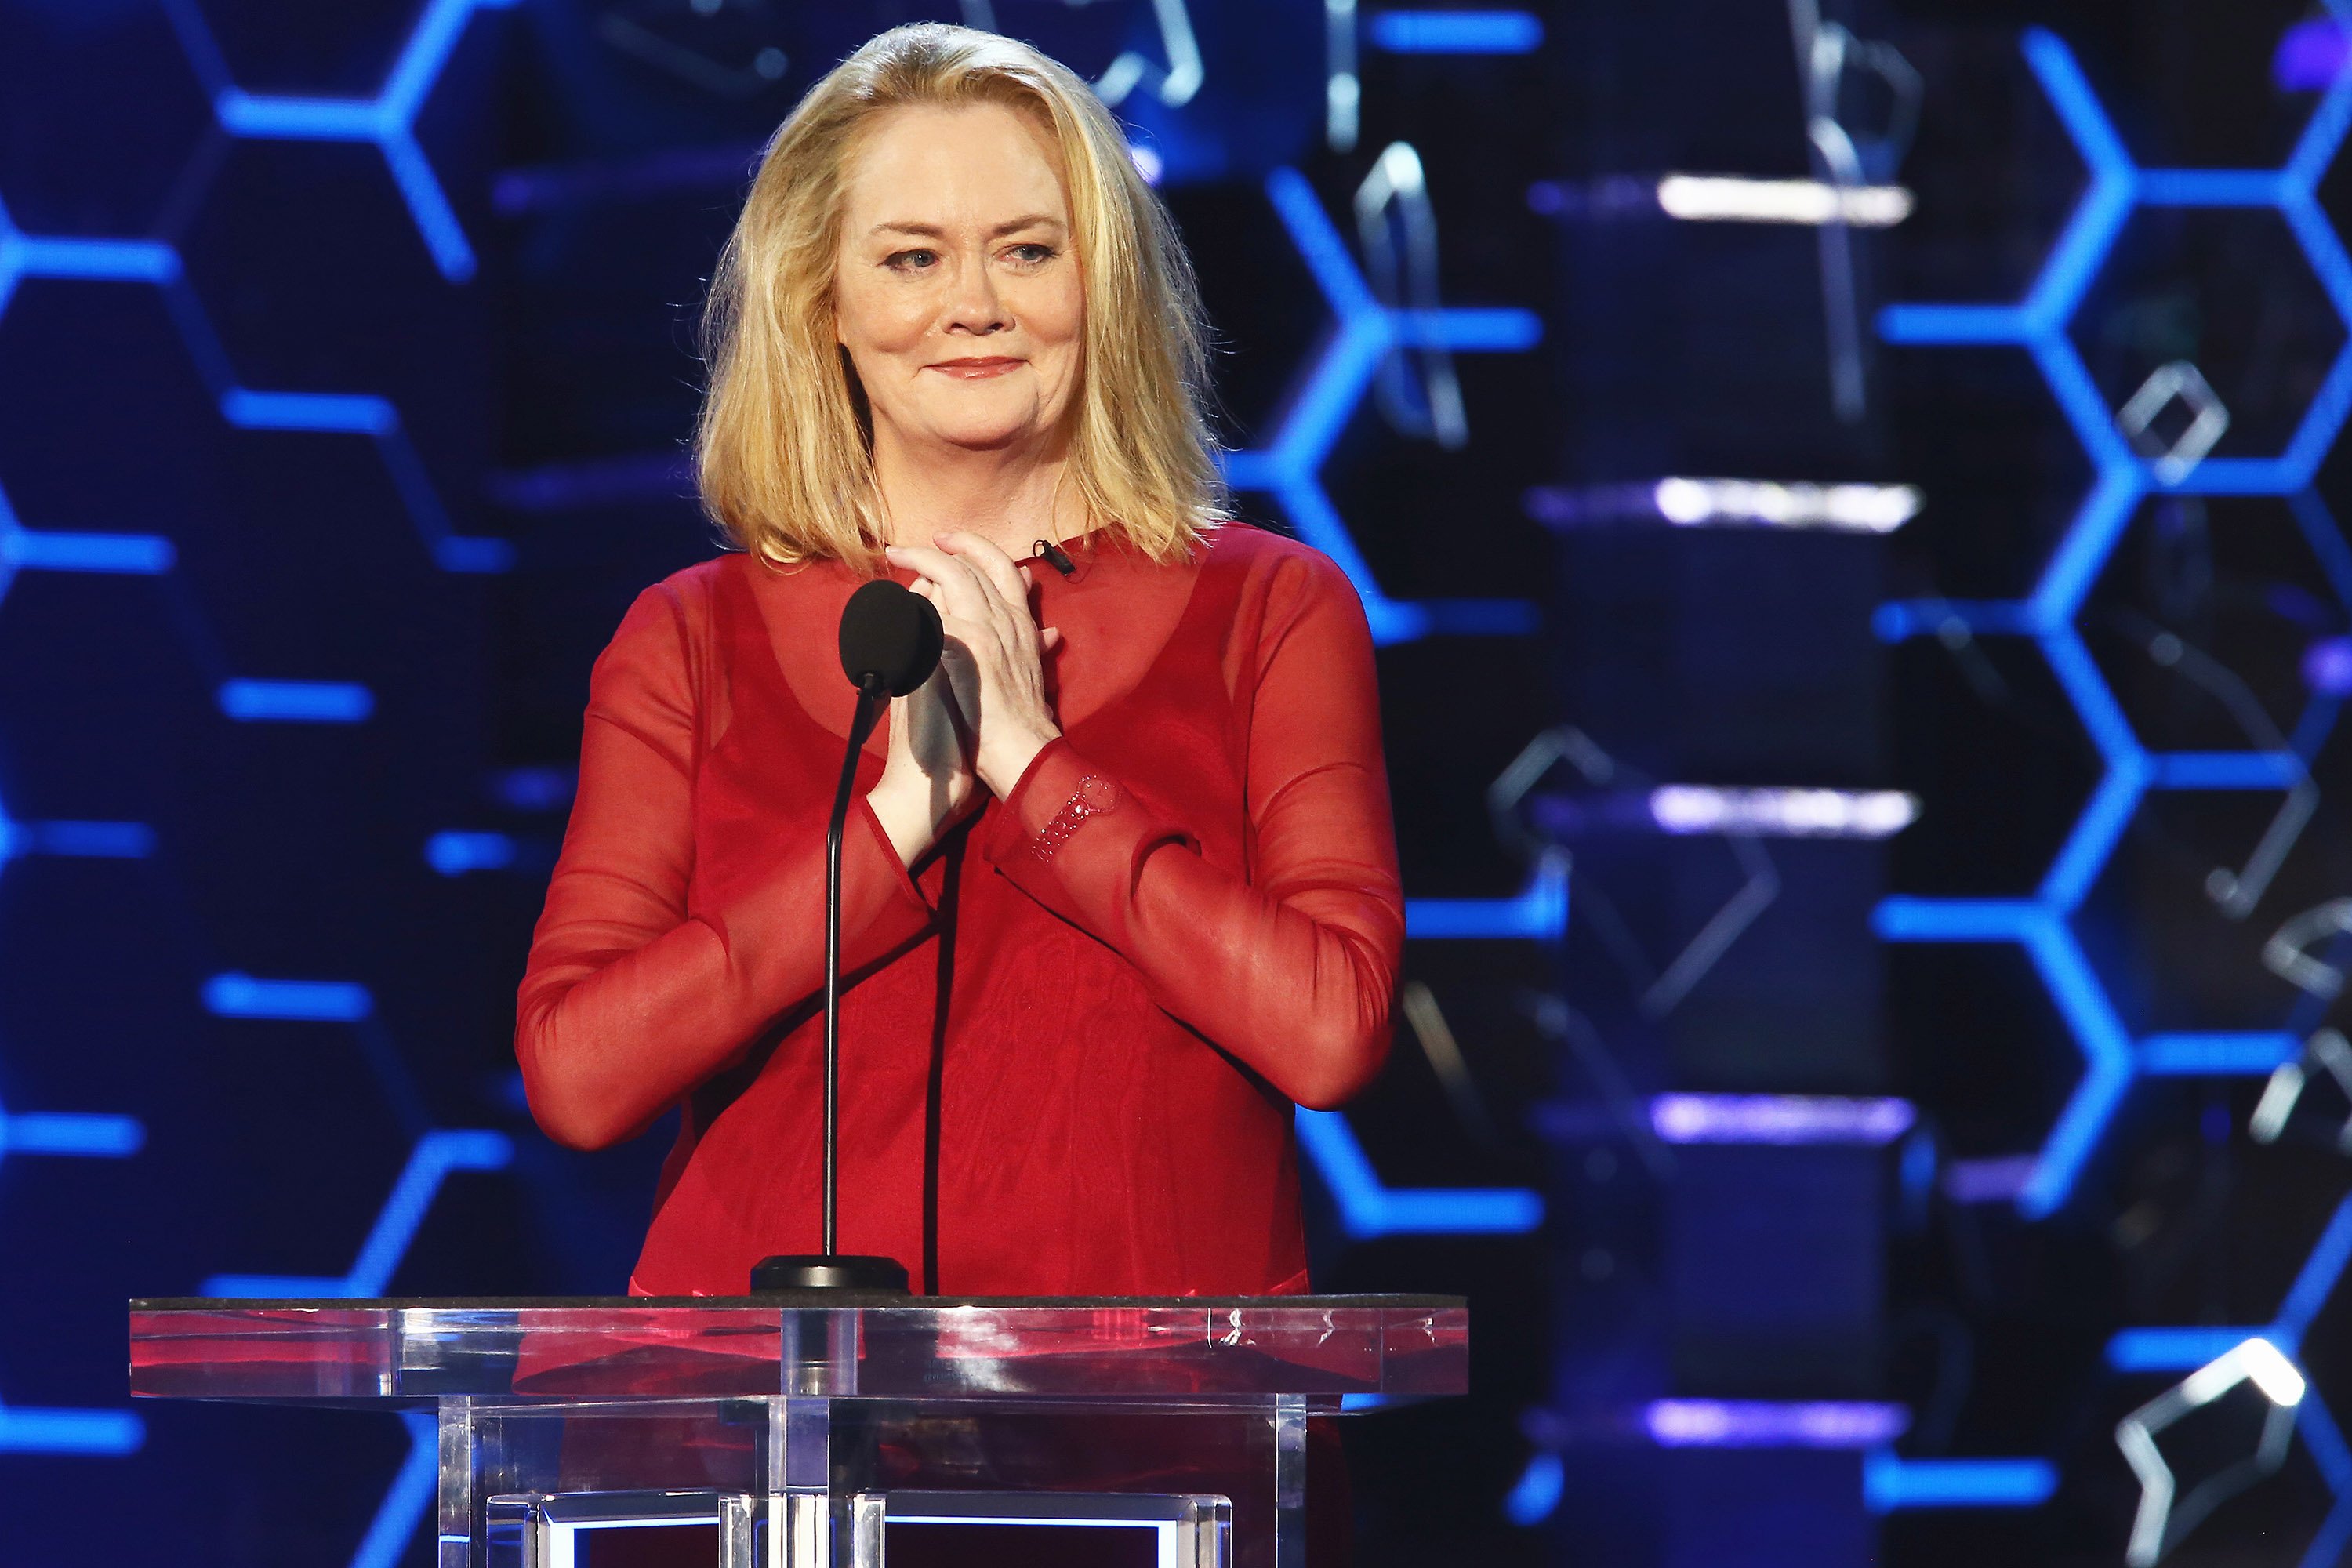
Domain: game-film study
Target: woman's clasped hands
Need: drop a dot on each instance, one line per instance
(983, 717)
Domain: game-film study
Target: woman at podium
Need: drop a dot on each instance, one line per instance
(1119, 885)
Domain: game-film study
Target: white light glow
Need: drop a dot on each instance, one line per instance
(2271, 1371)
(1716, 198)
(1783, 812)
(1860, 509)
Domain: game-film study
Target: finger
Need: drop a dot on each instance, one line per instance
(1050, 638)
(991, 561)
(960, 585)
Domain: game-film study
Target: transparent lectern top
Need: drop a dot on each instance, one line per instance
(1147, 1351)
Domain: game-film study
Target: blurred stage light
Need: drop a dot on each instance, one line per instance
(1723, 198)
(234, 996)
(2170, 459)
(2328, 667)
(2164, 1517)
(2329, 1053)
(1370, 1208)
(296, 701)
(1996, 1180)
(1740, 503)
(2310, 56)
(1535, 1496)
(1890, 1482)
(1773, 1424)
(454, 854)
(1778, 1118)
(1783, 812)
(1456, 32)
(1870, 509)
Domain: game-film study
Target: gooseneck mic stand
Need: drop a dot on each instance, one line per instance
(873, 698)
(890, 642)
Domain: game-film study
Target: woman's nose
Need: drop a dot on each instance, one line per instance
(976, 308)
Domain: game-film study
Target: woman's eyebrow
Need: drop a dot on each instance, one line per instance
(933, 231)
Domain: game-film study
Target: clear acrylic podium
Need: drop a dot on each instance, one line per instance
(822, 1431)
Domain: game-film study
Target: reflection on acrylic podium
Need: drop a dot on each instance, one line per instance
(835, 1431)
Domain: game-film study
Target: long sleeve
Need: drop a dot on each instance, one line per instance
(1292, 970)
(635, 992)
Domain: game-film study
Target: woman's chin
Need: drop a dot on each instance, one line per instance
(988, 436)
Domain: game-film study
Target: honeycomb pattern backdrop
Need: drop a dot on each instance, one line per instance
(342, 376)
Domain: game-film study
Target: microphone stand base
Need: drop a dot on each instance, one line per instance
(818, 1272)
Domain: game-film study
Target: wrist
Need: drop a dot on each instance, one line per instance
(1002, 771)
(906, 819)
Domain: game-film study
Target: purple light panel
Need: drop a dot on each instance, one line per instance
(1778, 1119)
(1763, 1424)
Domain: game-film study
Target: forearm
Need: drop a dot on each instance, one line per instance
(1295, 978)
(609, 1036)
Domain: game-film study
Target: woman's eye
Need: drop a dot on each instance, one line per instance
(1031, 255)
(910, 261)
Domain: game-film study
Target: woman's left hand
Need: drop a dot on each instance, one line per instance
(984, 604)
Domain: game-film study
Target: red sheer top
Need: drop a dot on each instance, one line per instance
(1061, 1074)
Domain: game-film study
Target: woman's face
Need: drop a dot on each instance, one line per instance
(957, 292)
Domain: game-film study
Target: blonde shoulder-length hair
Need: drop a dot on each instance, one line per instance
(783, 453)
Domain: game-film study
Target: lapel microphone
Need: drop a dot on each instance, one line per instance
(1053, 556)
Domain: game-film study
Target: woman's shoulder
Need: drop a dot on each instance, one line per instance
(668, 623)
(1276, 583)
(1273, 561)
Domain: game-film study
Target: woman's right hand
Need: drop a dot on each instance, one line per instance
(928, 783)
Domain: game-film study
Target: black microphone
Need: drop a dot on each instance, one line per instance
(890, 643)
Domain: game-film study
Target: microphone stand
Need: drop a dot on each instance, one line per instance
(829, 1270)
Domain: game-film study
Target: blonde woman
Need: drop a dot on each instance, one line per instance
(1121, 886)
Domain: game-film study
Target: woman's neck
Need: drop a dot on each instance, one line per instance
(1011, 498)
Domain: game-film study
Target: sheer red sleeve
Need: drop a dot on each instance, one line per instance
(635, 994)
(1292, 970)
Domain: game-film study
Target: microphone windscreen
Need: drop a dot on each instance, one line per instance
(890, 633)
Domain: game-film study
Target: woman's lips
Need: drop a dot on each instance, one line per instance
(975, 369)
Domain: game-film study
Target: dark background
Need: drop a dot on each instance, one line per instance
(345, 366)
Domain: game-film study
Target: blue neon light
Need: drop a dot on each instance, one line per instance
(74, 1133)
(109, 1434)
(98, 261)
(296, 701)
(1890, 1483)
(86, 840)
(348, 412)
(436, 1155)
(2178, 1349)
(455, 854)
(2038, 323)
(1537, 913)
(135, 553)
(1456, 32)
(2216, 1055)
(307, 1001)
(388, 120)
(1364, 333)
(1535, 1496)
(1368, 1209)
